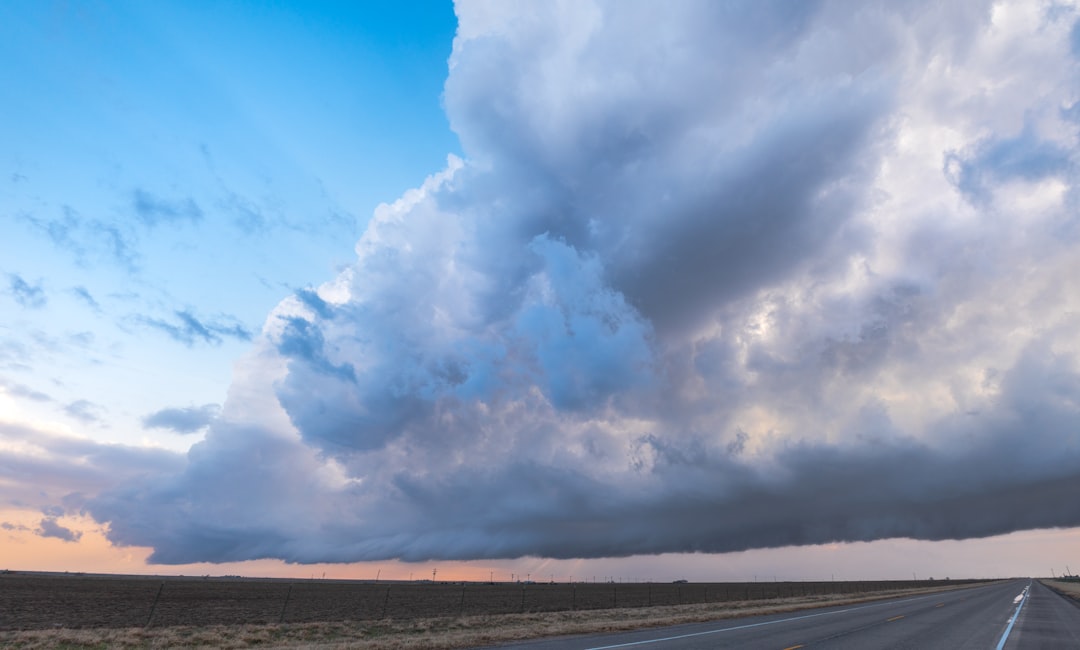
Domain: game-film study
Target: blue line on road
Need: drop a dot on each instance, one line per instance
(1005, 636)
(783, 620)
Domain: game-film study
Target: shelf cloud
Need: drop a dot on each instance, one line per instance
(709, 277)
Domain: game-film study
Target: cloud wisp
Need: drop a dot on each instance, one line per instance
(189, 419)
(16, 389)
(84, 411)
(30, 296)
(87, 240)
(49, 527)
(189, 329)
(153, 210)
(710, 278)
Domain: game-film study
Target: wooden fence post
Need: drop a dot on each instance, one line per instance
(154, 606)
(281, 619)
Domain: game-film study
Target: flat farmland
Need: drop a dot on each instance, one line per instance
(33, 601)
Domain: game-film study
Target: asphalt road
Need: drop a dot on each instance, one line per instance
(978, 617)
(1046, 621)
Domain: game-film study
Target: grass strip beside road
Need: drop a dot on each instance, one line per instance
(445, 633)
(1069, 589)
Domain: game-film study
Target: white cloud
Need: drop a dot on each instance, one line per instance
(711, 278)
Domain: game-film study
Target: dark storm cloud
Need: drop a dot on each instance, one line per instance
(190, 329)
(713, 277)
(688, 497)
(57, 473)
(183, 420)
(153, 210)
(31, 296)
(50, 528)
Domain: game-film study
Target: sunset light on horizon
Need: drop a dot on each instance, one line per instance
(546, 291)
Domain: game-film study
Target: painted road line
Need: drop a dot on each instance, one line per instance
(1022, 598)
(762, 624)
(894, 618)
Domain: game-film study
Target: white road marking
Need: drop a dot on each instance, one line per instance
(1021, 599)
(750, 625)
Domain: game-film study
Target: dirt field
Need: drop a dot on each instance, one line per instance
(31, 601)
(446, 632)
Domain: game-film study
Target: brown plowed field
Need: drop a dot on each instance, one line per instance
(34, 601)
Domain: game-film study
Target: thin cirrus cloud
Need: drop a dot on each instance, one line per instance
(153, 210)
(87, 240)
(709, 278)
(16, 389)
(189, 329)
(31, 296)
(84, 410)
(83, 294)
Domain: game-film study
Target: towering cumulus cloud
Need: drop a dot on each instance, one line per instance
(711, 276)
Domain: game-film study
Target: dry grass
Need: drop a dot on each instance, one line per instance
(444, 633)
(1070, 589)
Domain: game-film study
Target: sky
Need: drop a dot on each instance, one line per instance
(717, 291)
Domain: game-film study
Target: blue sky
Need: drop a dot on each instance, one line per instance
(585, 288)
(172, 165)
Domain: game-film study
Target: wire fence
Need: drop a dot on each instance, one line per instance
(29, 601)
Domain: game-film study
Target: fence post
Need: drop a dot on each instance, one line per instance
(573, 598)
(154, 606)
(522, 599)
(461, 610)
(281, 619)
(385, 601)
(650, 595)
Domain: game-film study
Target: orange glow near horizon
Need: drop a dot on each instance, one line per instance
(1018, 554)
